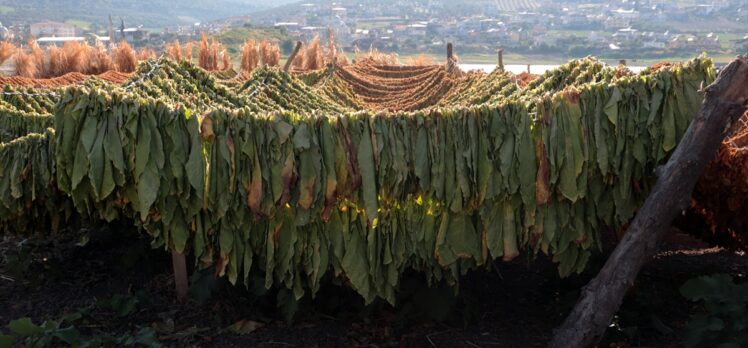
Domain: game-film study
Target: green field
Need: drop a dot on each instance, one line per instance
(237, 36)
(79, 23)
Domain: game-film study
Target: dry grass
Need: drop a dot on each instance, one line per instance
(208, 53)
(97, 60)
(145, 54)
(298, 62)
(421, 60)
(188, 52)
(203, 52)
(75, 57)
(226, 63)
(7, 50)
(338, 58)
(331, 50)
(124, 57)
(37, 56)
(205, 57)
(214, 49)
(314, 59)
(174, 50)
(56, 63)
(375, 57)
(24, 64)
(269, 53)
(250, 56)
(341, 59)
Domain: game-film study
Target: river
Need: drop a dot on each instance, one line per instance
(519, 68)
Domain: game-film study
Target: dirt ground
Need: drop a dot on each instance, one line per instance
(516, 305)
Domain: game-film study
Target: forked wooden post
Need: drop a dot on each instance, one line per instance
(179, 263)
(292, 56)
(725, 101)
(501, 59)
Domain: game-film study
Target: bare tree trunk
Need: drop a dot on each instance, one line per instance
(179, 263)
(292, 56)
(725, 101)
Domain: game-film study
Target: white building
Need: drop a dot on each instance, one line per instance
(52, 29)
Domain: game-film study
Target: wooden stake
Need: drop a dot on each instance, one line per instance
(725, 101)
(179, 263)
(501, 59)
(450, 56)
(528, 68)
(292, 56)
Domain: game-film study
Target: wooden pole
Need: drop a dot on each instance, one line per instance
(179, 263)
(501, 59)
(292, 56)
(725, 101)
(449, 53)
(528, 68)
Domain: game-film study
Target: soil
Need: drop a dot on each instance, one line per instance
(517, 304)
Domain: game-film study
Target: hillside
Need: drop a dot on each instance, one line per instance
(150, 13)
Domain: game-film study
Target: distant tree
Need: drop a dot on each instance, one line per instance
(744, 48)
(287, 46)
(580, 51)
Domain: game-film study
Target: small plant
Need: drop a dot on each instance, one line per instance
(724, 321)
(55, 333)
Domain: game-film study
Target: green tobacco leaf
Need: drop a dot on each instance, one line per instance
(24, 327)
(6, 341)
(147, 190)
(368, 173)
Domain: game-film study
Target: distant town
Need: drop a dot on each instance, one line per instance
(648, 29)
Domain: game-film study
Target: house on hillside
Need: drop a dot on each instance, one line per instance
(52, 29)
(58, 40)
(616, 23)
(693, 42)
(417, 29)
(133, 34)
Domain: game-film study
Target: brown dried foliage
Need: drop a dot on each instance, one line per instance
(226, 63)
(394, 87)
(525, 78)
(145, 54)
(174, 50)
(298, 62)
(7, 50)
(269, 53)
(97, 60)
(375, 57)
(124, 57)
(37, 55)
(188, 52)
(208, 54)
(721, 196)
(250, 56)
(314, 59)
(57, 65)
(421, 60)
(214, 49)
(25, 66)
